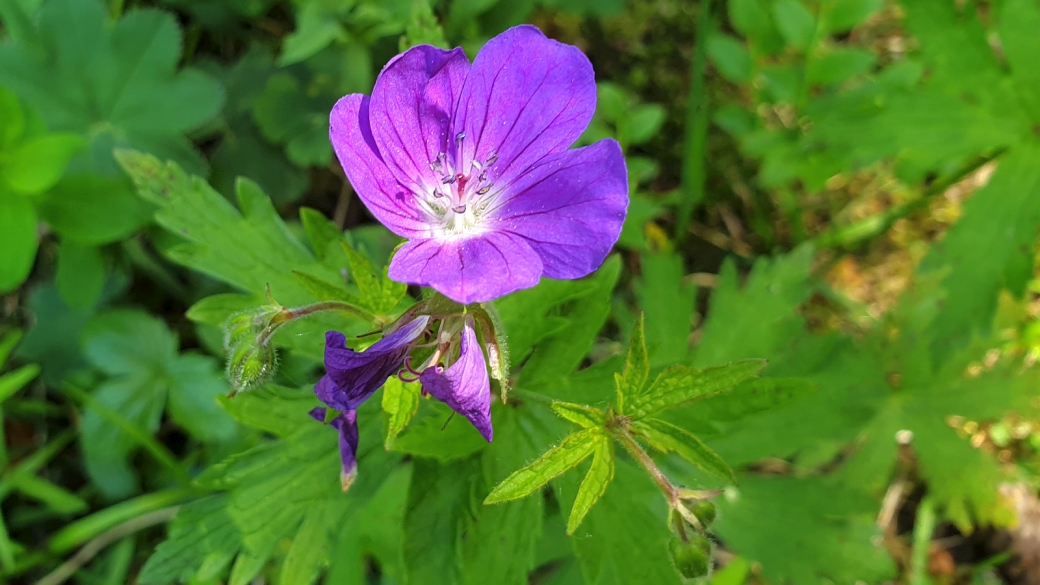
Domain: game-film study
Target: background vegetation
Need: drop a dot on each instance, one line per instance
(849, 189)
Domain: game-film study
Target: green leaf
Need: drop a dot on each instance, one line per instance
(841, 15)
(81, 274)
(316, 28)
(380, 293)
(584, 416)
(309, 552)
(752, 397)
(117, 84)
(837, 65)
(322, 290)
(18, 241)
(631, 382)
(432, 520)
(54, 497)
(679, 384)
(531, 315)
(400, 403)
(273, 409)
(92, 209)
(569, 453)
(12, 382)
(287, 114)
(437, 433)
(594, 485)
(795, 23)
(668, 306)
(624, 537)
(1019, 20)
(640, 124)
(37, 164)
(321, 232)
(730, 57)
(202, 534)
(804, 530)
(249, 249)
(752, 18)
(984, 250)
(667, 437)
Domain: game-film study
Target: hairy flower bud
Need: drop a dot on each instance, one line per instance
(691, 558)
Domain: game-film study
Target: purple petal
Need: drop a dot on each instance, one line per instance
(469, 269)
(464, 386)
(412, 102)
(346, 424)
(526, 96)
(377, 187)
(352, 376)
(569, 208)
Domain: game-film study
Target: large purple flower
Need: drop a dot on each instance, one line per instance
(471, 164)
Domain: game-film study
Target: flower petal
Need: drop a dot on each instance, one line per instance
(464, 386)
(526, 96)
(346, 424)
(377, 187)
(469, 269)
(412, 103)
(569, 208)
(352, 376)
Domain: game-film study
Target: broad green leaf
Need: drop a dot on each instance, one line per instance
(533, 314)
(569, 453)
(437, 433)
(400, 403)
(273, 409)
(116, 84)
(201, 534)
(584, 416)
(18, 241)
(296, 116)
(839, 16)
(323, 290)
(434, 513)
(216, 309)
(795, 23)
(983, 251)
(753, 19)
(1018, 22)
(730, 57)
(640, 124)
(379, 293)
(748, 398)
(594, 485)
(93, 209)
(81, 274)
(516, 526)
(37, 164)
(667, 437)
(804, 530)
(316, 28)
(563, 353)
(837, 65)
(668, 306)
(679, 384)
(53, 339)
(310, 549)
(248, 249)
(632, 380)
(321, 233)
(624, 537)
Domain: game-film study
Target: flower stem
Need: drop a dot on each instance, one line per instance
(287, 315)
(671, 493)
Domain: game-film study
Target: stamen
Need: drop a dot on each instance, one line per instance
(483, 190)
(491, 159)
(459, 137)
(477, 166)
(459, 208)
(449, 179)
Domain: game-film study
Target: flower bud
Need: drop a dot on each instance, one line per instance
(250, 365)
(690, 558)
(704, 510)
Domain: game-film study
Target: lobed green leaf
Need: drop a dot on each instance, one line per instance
(679, 384)
(569, 453)
(585, 416)
(667, 437)
(595, 483)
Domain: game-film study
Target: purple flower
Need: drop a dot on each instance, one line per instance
(464, 386)
(471, 164)
(346, 424)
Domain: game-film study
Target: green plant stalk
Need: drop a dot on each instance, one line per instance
(695, 154)
(287, 315)
(33, 463)
(90, 527)
(671, 493)
(869, 227)
(924, 526)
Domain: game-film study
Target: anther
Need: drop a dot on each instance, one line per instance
(483, 190)
(459, 137)
(449, 179)
(461, 208)
(491, 159)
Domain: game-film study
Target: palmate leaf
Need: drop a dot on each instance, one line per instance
(667, 437)
(117, 84)
(594, 485)
(248, 249)
(679, 384)
(568, 454)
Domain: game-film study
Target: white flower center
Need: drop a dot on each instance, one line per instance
(456, 203)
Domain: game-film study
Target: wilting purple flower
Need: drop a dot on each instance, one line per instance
(352, 376)
(464, 386)
(471, 164)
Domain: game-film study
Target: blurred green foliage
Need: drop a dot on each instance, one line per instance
(165, 167)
